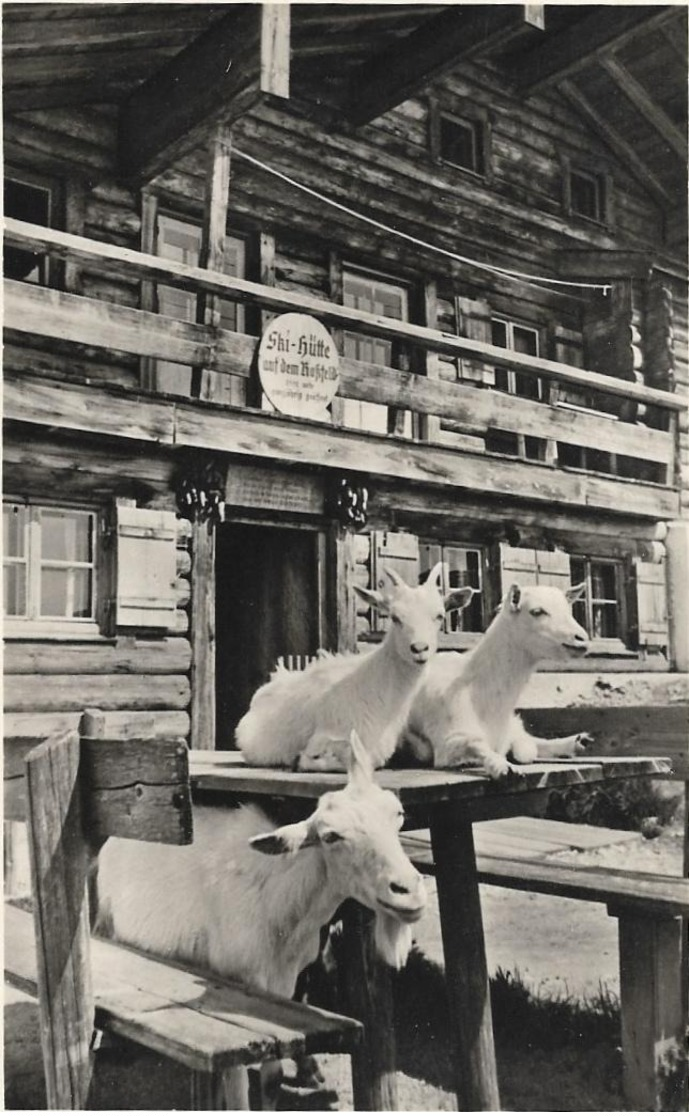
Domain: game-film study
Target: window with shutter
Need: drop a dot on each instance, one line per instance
(534, 567)
(651, 604)
(462, 565)
(146, 567)
(398, 551)
(474, 321)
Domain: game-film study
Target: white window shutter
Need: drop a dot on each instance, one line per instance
(651, 603)
(553, 569)
(473, 320)
(517, 563)
(398, 551)
(146, 568)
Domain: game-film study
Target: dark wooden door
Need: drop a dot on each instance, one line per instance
(268, 604)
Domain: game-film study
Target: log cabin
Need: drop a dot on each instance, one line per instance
(474, 217)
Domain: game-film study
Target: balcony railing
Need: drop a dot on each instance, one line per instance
(61, 316)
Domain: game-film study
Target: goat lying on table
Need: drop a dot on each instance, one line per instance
(463, 712)
(305, 717)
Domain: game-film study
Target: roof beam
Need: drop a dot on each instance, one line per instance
(564, 53)
(218, 78)
(642, 100)
(615, 142)
(437, 46)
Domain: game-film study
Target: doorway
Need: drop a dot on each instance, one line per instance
(269, 603)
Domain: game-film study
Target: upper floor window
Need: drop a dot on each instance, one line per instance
(587, 192)
(375, 295)
(49, 566)
(180, 240)
(29, 200)
(519, 338)
(461, 139)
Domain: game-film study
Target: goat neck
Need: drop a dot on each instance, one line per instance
(498, 669)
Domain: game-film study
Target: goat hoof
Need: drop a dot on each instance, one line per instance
(582, 743)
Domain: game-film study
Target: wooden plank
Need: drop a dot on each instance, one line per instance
(275, 490)
(67, 692)
(102, 410)
(122, 723)
(242, 58)
(466, 973)
(87, 321)
(125, 656)
(213, 234)
(654, 1058)
(436, 47)
(563, 835)
(623, 732)
(195, 1018)
(130, 264)
(202, 635)
(556, 690)
(563, 54)
(59, 865)
(644, 102)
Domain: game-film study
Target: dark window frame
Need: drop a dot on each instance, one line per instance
(52, 270)
(473, 118)
(453, 635)
(584, 609)
(597, 173)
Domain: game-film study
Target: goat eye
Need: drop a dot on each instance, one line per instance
(331, 837)
(538, 612)
(440, 617)
(395, 619)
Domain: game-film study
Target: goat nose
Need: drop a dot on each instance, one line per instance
(398, 888)
(581, 637)
(419, 648)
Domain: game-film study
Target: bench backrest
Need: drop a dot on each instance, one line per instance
(74, 790)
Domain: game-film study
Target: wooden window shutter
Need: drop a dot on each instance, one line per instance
(534, 567)
(146, 567)
(552, 568)
(473, 320)
(518, 564)
(399, 551)
(651, 603)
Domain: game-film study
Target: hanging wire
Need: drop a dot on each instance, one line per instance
(521, 276)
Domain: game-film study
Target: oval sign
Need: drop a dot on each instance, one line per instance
(298, 365)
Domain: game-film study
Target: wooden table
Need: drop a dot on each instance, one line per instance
(448, 803)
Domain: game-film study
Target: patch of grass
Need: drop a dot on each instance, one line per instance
(533, 1020)
(625, 804)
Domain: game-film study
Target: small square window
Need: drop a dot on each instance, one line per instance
(49, 565)
(602, 608)
(26, 201)
(587, 195)
(461, 143)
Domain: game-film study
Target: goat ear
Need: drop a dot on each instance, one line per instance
(576, 592)
(360, 765)
(435, 577)
(373, 598)
(458, 598)
(286, 839)
(514, 596)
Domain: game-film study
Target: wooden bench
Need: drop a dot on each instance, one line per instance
(74, 790)
(649, 909)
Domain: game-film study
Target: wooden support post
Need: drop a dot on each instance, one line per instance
(429, 425)
(335, 288)
(654, 1073)
(341, 611)
(368, 998)
(75, 222)
(206, 384)
(202, 635)
(465, 964)
(677, 547)
(59, 866)
(147, 297)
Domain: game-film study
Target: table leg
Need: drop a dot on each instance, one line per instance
(466, 971)
(367, 991)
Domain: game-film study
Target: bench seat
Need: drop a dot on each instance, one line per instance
(618, 887)
(202, 1022)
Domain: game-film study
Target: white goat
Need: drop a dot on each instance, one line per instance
(305, 717)
(463, 711)
(221, 905)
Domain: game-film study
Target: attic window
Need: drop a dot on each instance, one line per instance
(461, 143)
(587, 195)
(32, 202)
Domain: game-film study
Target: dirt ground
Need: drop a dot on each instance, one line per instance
(557, 946)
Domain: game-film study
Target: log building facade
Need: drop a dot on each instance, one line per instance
(485, 207)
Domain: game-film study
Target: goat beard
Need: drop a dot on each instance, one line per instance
(393, 940)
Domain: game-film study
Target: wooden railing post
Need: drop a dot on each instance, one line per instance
(59, 868)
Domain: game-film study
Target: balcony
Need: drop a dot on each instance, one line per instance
(57, 397)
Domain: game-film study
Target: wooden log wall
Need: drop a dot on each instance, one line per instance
(141, 682)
